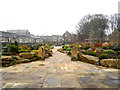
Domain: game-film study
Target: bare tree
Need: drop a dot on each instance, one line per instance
(89, 23)
(113, 22)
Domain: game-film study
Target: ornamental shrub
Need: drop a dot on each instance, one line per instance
(31, 48)
(22, 50)
(50, 44)
(68, 49)
(69, 53)
(36, 51)
(24, 47)
(86, 47)
(110, 51)
(91, 53)
(105, 47)
(13, 48)
(105, 44)
(103, 56)
(37, 47)
(65, 47)
(16, 43)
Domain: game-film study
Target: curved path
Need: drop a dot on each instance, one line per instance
(58, 71)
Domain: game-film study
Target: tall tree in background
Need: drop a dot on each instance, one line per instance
(119, 22)
(114, 20)
(83, 28)
(96, 23)
(99, 24)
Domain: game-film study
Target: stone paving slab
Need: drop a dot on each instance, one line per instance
(22, 85)
(52, 81)
(69, 80)
(59, 72)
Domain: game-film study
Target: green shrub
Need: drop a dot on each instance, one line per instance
(6, 54)
(68, 49)
(118, 57)
(13, 62)
(35, 57)
(14, 57)
(110, 51)
(91, 53)
(13, 48)
(22, 50)
(105, 47)
(60, 50)
(69, 53)
(86, 47)
(39, 46)
(78, 57)
(31, 48)
(65, 47)
(50, 44)
(16, 43)
(103, 56)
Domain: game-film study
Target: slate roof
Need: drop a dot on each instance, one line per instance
(18, 31)
(9, 34)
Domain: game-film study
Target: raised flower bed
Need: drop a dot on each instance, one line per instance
(16, 55)
(98, 56)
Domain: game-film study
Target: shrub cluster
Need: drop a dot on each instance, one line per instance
(22, 50)
(110, 51)
(68, 49)
(103, 56)
(69, 53)
(105, 47)
(86, 47)
(24, 47)
(31, 48)
(91, 53)
(14, 48)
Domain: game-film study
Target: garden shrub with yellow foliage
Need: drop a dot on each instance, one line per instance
(24, 47)
(105, 44)
(36, 51)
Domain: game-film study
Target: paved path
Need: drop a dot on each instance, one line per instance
(58, 71)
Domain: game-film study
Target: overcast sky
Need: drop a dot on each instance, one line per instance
(49, 17)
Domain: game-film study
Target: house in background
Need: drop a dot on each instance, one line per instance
(9, 36)
(20, 32)
(69, 38)
(114, 38)
(24, 36)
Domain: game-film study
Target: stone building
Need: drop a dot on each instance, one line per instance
(57, 39)
(11, 37)
(24, 36)
(69, 38)
(114, 38)
(20, 32)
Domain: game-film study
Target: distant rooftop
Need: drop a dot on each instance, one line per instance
(19, 31)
